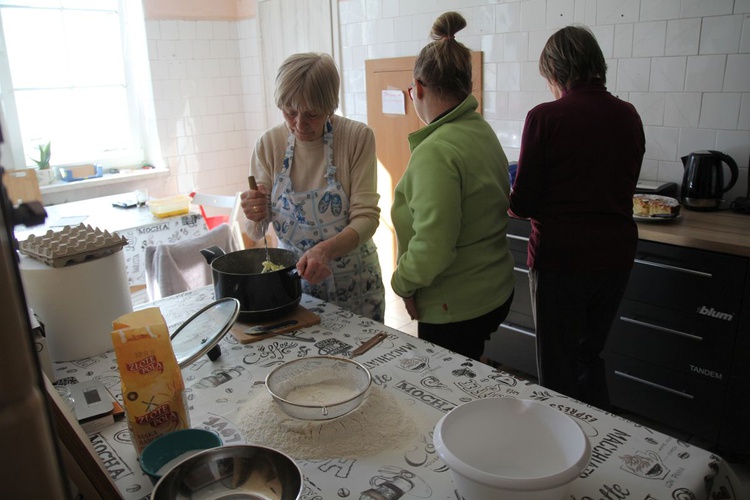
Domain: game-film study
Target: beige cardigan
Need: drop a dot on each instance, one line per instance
(356, 169)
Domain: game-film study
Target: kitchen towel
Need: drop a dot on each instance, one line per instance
(178, 267)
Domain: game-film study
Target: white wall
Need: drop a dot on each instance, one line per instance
(684, 64)
(209, 101)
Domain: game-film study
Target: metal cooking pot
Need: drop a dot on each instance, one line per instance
(262, 296)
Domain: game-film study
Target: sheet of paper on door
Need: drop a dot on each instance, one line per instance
(393, 102)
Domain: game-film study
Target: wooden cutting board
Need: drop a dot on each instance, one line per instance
(302, 316)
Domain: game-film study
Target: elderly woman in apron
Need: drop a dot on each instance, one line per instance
(317, 185)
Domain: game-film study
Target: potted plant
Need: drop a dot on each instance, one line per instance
(44, 173)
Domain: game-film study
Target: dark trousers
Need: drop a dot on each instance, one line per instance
(573, 312)
(465, 337)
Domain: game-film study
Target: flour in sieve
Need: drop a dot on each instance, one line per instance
(379, 424)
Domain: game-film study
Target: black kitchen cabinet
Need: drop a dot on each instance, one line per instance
(514, 343)
(679, 349)
(671, 354)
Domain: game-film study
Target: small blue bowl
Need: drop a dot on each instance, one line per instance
(171, 449)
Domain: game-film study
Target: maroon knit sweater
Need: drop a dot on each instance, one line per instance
(579, 163)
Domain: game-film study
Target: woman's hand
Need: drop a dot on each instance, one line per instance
(411, 307)
(255, 203)
(314, 265)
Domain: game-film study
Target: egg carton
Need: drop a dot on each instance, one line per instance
(72, 244)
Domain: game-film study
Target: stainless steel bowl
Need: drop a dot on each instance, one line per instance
(319, 387)
(240, 471)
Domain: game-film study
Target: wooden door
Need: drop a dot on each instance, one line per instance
(391, 132)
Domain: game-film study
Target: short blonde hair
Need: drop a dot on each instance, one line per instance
(308, 80)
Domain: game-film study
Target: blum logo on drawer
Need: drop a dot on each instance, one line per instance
(705, 311)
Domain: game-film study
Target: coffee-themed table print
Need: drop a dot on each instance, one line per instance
(628, 461)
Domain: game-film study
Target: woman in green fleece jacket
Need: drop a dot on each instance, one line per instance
(454, 270)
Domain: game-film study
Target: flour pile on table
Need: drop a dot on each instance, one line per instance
(379, 424)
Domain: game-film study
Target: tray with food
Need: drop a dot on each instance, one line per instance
(655, 208)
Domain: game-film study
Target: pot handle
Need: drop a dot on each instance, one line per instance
(292, 273)
(211, 253)
(732, 168)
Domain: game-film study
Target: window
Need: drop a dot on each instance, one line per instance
(72, 73)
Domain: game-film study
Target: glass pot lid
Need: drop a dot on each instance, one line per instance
(203, 330)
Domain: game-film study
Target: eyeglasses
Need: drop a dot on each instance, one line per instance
(408, 91)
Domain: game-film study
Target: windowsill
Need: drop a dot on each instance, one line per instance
(125, 175)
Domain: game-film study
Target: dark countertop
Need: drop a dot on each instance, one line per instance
(719, 231)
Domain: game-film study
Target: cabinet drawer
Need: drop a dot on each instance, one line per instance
(518, 234)
(689, 280)
(735, 433)
(685, 402)
(700, 346)
(513, 345)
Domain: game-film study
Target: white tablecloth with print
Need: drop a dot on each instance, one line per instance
(138, 225)
(431, 381)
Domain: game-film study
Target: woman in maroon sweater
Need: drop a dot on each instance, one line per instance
(577, 170)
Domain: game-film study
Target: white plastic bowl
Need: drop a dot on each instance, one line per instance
(512, 449)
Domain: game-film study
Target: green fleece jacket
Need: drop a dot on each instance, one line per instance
(450, 216)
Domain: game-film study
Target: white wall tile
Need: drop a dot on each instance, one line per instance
(493, 48)
(204, 30)
(186, 30)
(705, 73)
(633, 74)
(744, 120)
(737, 77)
(653, 10)
(509, 76)
(530, 77)
(168, 30)
(560, 13)
(670, 171)
(152, 30)
(489, 81)
(390, 8)
(623, 41)
(650, 106)
(533, 15)
(721, 35)
(720, 110)
(745, 38)
(508, 132)
(661, 143)
(649, 38)
(519, 104)
(695, 139)
(699, 8)
(385, 30)
(480, 21)
(402, 29)
(537, 41)
(617, 11)
(516, 46)
(507, 17)
(605, 37)
(649, 170)
(683, 37)
(369, 32)
(682, 109)
(667, 74)
(735, 143)
(373, 9)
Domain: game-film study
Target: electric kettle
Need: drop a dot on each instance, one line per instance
(703, 180)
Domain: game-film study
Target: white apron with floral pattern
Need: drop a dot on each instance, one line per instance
(304, 219)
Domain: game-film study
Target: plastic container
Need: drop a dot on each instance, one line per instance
(169, 206)
(163, 453)
(512, 449)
